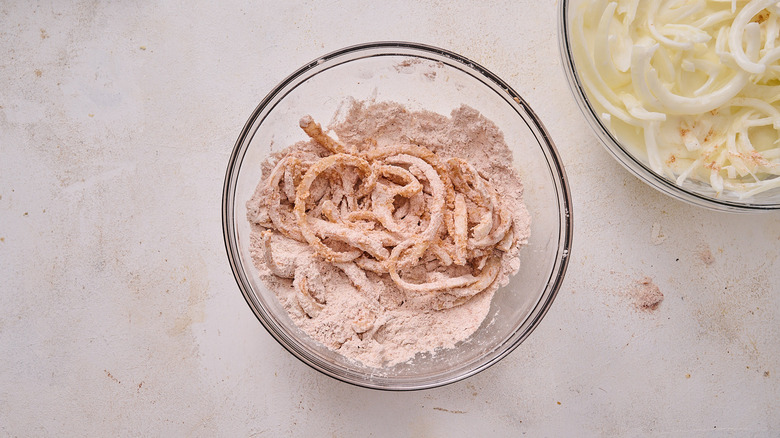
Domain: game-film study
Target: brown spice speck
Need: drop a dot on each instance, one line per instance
(38, 73)
(44, 35)
(111, 377)
(709, 135)
(705, 255)
(712, 165)
(761, 17)
(450, 411)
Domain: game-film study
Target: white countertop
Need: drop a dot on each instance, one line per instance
(119, 314)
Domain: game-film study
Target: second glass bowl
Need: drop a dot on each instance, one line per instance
(693, 192)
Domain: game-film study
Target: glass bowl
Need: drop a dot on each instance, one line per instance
(690, 191)
(401, 72)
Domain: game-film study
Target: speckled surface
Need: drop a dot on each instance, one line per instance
(119, 314)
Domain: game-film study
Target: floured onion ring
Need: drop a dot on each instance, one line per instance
(387, 210)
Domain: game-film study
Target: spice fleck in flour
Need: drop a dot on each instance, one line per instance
(391, 239)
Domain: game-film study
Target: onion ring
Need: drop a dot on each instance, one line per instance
(302, 193)
(386, 210)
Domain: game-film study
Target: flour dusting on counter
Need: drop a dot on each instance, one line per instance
(646, 295)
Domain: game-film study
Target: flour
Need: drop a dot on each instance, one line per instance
(646, 295)
(364, 315)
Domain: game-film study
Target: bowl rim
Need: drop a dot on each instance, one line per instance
(403, 48)
(634, 165)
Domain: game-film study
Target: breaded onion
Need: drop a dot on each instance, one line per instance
(387, 210)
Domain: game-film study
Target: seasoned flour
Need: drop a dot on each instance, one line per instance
(351, 309)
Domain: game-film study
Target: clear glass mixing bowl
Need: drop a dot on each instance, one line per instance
(401, 72)
(693, 192)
